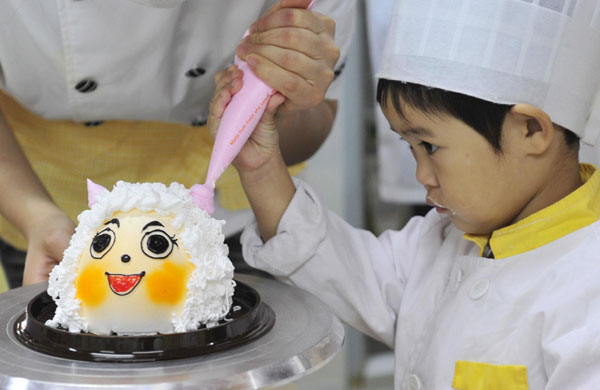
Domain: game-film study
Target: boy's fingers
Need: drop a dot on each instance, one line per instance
(217, 107)
(275, 101)
(219, 75)
(268, 117)
(228, 82)
(227, 85)
(220, 100)
(225, 80)
(236, 85)
(226, 75)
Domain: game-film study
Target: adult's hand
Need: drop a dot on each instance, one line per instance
(48, 238)
(293, 50)
(25, 202)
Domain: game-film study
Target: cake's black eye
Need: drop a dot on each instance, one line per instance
(102, 243)
(157, 244)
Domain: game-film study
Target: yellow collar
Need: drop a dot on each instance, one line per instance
(576, 210)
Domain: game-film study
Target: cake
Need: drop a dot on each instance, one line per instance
(144, 259)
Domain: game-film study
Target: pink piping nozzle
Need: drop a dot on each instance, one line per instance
(93, 191)
(239, 120)
(203, 196)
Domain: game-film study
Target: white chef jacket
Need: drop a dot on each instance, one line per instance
(96, 60)
(531, 319)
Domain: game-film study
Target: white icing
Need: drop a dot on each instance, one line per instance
(209, 289)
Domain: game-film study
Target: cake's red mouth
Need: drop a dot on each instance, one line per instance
(122, 284)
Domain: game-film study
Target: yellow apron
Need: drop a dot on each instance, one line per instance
(64, 153)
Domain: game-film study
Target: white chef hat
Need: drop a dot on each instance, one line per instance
(542, 52)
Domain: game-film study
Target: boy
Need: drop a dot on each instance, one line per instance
(498, 286)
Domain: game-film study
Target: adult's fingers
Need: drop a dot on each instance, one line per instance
(299, 91)
(287, 4)
(295, 17)
(313, 45)
(313, 71)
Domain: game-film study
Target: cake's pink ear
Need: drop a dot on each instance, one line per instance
(93, 191)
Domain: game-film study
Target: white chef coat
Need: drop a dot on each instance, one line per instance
(96, 60)
(425, 292)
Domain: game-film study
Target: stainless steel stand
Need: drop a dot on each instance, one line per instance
(305, 337)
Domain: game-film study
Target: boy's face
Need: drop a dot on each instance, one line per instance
(481, 190)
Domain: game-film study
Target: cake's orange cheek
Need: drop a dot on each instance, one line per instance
(168, 284)
(91, 285)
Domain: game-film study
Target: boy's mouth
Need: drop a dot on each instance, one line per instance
(438, 207)
(433, 203)
(122, 284)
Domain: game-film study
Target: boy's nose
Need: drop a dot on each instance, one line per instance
(125, 258)
(425, 173)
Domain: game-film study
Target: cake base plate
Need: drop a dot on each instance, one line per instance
(305, 336)
(248, 319)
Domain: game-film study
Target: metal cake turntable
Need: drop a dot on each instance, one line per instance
(277, 334)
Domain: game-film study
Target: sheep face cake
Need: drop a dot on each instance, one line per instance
(132, 250)
(143, 259)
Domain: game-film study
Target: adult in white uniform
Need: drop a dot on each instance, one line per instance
(99, 61)
(497, 288)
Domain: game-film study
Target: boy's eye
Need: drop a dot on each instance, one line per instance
(430, 148)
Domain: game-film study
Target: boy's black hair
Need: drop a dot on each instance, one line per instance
(483, 116)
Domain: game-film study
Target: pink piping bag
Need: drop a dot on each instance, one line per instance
(239, 120)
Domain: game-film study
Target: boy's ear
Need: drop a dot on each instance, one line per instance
(535, 127)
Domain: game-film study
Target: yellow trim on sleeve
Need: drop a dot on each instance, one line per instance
(484, 376)
(578, 209)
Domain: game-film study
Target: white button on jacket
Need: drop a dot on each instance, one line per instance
(479, 289)
(412, 382)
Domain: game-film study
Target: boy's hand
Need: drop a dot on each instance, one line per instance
(292, 50)
(264, 141)
(48, 239)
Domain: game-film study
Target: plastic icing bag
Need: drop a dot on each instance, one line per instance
(239, 120)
